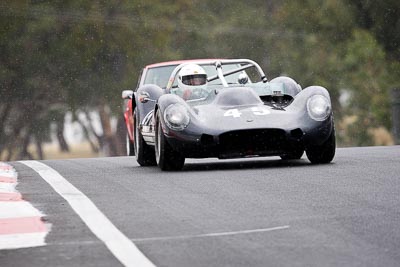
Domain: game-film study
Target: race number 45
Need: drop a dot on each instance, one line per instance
(234, 112)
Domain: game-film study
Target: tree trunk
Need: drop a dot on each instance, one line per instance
(120, 136)
(60, 137)
(24, 153)
(39, 149)
(109, 137)
(95, 148)
(4, 115)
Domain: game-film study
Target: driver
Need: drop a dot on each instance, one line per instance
(192, 82)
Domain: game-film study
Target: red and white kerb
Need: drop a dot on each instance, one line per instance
(21, 224)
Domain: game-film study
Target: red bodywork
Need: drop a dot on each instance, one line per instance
(128, 114)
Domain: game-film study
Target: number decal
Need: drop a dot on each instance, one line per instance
(260, 111)
(233, 112)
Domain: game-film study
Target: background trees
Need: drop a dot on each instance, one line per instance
(74, 57)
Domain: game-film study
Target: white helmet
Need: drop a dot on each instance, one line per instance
(192, 78)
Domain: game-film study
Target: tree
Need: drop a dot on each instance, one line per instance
(76, 56)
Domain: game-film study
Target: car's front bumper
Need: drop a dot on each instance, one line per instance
(258, 141)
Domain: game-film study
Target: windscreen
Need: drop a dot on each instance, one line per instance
(160, 75)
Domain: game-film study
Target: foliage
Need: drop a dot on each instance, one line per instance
(76, 56)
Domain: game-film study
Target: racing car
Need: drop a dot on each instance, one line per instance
(157, 74)
(234, 112)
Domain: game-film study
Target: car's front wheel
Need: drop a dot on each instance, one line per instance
(323, 153)
(166, 157)
(143, 152)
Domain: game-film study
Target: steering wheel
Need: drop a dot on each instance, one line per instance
(195, 93)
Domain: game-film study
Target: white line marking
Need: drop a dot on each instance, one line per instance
(122, 248)
(22, 240)
(211, 234)
(18, 209)
(90, 242)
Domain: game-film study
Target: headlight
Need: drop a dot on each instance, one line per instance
(319, 107)
(176, 116)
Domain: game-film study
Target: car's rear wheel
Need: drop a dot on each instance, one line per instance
(144, 153)
(166, 157)
(323, 153)
(130, 149)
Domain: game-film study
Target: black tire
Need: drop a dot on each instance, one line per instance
(130, 149)
(166, 157)
(297, 154)
(323, 153)
(144, 153)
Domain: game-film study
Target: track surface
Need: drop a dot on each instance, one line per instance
(346, 213)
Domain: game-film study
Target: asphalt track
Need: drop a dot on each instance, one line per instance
(250, 212)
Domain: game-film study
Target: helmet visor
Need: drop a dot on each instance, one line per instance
(196, 79)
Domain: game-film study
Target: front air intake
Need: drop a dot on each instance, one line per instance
(252, 142)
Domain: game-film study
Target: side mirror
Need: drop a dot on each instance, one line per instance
(127, 94)
(144, 97)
